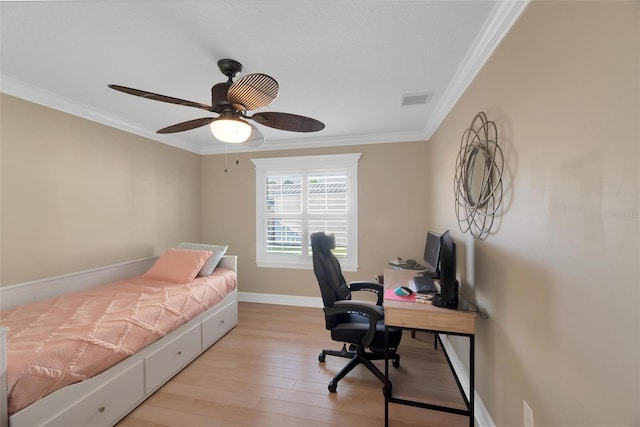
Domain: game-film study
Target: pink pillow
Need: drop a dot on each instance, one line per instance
(178, 265)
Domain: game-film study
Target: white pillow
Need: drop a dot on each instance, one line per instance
(212, 262)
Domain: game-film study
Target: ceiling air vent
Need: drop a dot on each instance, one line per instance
(421, 98)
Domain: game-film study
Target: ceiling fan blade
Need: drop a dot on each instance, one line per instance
(256, 139)
(286, 121)
(253, 91)
(158, 97)
(188, 125)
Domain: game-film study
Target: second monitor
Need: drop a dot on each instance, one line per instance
(432, 255)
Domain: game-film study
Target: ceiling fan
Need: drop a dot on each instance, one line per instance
(232, 101)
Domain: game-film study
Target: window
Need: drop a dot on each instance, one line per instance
(297, 196)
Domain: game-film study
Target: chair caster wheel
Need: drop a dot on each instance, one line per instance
(321, 357)
(333, 386)
(396, 361)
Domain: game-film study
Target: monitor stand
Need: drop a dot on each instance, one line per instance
(438, 301)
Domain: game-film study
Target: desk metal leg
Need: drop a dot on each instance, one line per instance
(472, 376)
(386, 391)
(469, 401)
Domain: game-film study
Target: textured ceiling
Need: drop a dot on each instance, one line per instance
(346, 63)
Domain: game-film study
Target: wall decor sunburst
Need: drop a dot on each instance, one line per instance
(478, 179)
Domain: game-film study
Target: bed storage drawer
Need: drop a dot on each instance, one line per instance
(171, 358)
(106, 405)
(219, 324)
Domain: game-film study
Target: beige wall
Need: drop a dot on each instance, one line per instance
(392, 219)
(559, 279)
(76, 194)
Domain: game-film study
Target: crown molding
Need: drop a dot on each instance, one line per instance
(49, 99)
(503, 16)
(318, 142)
(41, 96)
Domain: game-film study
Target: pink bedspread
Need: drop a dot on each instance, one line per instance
(73, 337)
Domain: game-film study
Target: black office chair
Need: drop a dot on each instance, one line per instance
(360, 324)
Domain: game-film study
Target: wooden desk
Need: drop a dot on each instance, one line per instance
(424, 316)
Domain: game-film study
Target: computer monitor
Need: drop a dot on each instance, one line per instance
(432, 255)
(448, 296)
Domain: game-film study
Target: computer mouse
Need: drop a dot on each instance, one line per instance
(403, 291)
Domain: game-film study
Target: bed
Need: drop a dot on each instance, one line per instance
(170, 333)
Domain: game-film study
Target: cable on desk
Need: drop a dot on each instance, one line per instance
(482, 314)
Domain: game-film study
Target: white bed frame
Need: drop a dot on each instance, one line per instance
(106, 398)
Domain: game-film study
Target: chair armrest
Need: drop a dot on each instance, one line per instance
(372, 312)
(363, 285)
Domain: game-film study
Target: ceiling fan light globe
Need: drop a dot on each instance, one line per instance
(234, 131)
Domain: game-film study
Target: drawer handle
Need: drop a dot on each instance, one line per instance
(222, 322)
(179, 353)
(101, 409)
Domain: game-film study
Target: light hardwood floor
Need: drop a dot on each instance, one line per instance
(265, 372)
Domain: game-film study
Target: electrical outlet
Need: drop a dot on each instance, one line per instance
(528, 414)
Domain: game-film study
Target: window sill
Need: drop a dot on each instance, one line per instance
(292, 266)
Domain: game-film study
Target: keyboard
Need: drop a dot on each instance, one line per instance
(424, 285)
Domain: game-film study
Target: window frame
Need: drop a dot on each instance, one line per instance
(305, 165)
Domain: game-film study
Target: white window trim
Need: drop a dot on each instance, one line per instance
(279, 165)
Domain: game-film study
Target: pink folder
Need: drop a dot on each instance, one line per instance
(389, 294)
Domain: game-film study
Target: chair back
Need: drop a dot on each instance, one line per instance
(327, 269)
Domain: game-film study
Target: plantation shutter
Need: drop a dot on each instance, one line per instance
(284, 214)
(328, 206)
(299, 196)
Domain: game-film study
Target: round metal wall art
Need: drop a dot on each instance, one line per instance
(478, 180)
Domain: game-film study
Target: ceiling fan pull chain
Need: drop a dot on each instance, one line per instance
(225, 158)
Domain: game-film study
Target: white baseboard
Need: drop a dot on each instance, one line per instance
(315, 302)
(482, 417)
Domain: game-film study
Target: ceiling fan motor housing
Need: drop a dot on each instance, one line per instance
(219, 99)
